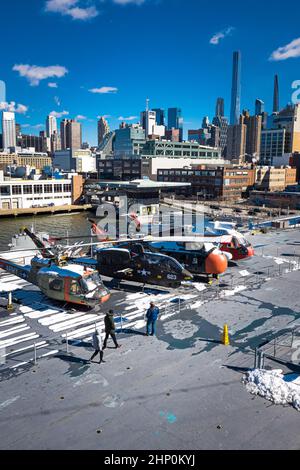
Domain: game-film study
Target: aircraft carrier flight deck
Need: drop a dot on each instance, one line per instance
(182, 389)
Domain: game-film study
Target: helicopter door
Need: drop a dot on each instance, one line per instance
(73, 291)
(56, 285)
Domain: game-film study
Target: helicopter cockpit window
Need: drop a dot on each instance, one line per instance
(91, 282)
(56, 285)
(235, 242)
(174, 265)
(75, 288)
(242, 241)
(152, 259)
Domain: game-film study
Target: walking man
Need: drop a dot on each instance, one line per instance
(110, 329)
(152, 316)
(97, 344)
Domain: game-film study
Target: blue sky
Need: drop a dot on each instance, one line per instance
(176, 52)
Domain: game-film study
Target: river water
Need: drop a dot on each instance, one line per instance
(55, 225)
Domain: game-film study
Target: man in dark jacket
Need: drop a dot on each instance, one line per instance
(110, 329)
(152, 316)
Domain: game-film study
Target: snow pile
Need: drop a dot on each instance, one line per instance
(273, 386)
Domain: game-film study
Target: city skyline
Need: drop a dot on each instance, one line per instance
(114, 89)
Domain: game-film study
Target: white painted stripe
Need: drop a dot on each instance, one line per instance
(59, 318)
(16, 351)
(35, 315)
(50, 353)
(81, 333)
(72, 324)
(32, 359)
(19, 339)
(20, 364)
(12, 321)
(25, 309)
(8, 402)
(13, 331)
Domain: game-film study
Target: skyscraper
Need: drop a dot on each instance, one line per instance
(160, 116)
(253, 136)
(175, 120)
(236, 142)
(148, 120)
(220, 107)
(70, 131)
(289, 119)
(103, 129)
(236, 89)
(276, 95)
(222, 123)
(205, 122)
(51, 125)
(259, 107)
(8, 130)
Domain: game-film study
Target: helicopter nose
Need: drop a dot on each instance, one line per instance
(228, 255)
(251, 251)
(105, 298)
(216, 263)
(187, 275)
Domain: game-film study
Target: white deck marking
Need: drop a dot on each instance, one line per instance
(8, 402)
(13, 331)
(12, 321)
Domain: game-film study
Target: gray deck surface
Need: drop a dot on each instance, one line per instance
(181, 390)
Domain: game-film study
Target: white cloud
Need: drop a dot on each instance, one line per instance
(35, 74)
(129, 118)
(291, 50)
(215, 40)
(80, 117)
(59, 114)
(76, 9)
(57, 100)
(128, 2)
(11, 107)
(104, 90)
(52, 85)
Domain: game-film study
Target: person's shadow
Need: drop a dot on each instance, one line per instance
(77, 365)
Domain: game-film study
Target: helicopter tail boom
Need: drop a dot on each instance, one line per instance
(20, 271)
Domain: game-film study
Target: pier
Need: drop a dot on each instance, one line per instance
(44, 210)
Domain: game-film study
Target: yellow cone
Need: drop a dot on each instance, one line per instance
(225, 339)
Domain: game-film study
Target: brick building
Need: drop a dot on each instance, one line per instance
(212, 182)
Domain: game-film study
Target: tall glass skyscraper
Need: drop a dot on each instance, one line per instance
(236, 89)
(220, 107)
(175, 120)
(259, 107)
(276, 95)
(8, 129)
(160, 116)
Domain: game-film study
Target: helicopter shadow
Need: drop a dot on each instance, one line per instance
(134, 288)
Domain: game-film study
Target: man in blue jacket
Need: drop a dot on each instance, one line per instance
(152, 316)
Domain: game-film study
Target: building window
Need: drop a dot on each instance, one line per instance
(48, 188)
(27, 189)
(67, 188)
(5, 190)
(38, 188)
(16, 189)
(58, 188)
